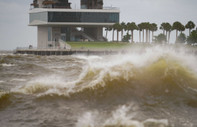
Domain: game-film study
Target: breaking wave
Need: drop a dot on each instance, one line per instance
(121, 117)
(156, 72)
(4, 99)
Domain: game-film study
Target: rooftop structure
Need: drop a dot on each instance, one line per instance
(58, 23)
(91, 4)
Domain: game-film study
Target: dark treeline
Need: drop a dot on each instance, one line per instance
(146, 32)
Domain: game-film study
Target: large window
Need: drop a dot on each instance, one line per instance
(93, 17)
(40, 16)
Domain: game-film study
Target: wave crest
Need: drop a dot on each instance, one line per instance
(4, 99)
(141, 75)
(117, 118)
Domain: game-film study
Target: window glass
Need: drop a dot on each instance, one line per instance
(41, 16)
(93, 17)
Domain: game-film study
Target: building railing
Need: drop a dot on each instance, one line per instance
(78, 8)
(111, 8)
(50, 45)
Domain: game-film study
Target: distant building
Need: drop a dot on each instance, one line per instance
(57, 22)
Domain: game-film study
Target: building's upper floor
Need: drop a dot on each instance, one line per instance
(59, 12)
(77, 17)
(85, 4)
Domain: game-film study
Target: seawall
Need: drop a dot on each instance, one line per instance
(48, 52)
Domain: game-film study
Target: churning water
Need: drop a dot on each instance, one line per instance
(156, 87)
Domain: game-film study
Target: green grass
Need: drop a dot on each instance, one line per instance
(98, 45)
(116, 45)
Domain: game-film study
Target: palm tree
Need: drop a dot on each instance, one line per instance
(107, 29)
(176, 26)
(190, 25)
(140, 30)
(117, 27)
(168, 28)
(153, 28)
(182, 28)
(123, 25)
(143, 27)
(147, 28)
(132, 26)
(113, 29)
(162, 27)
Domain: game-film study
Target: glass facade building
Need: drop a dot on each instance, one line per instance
(57, 23)
(39, 16)
(76, 17)
(93, 17)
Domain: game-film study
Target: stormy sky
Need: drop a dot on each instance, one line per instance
(14, 18)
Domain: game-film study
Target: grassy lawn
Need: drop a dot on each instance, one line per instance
(118, 45)
(98, 45)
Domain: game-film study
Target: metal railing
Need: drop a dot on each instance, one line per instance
(77, 8)
(51, 45)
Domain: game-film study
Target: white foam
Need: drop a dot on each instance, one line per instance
(118, 117)
(7, 54)
(18, 80)
(2, 81)
(88, 57)
(8, 65)
(156, 123)
(53, 84)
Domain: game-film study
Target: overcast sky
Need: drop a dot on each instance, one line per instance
(14, 18)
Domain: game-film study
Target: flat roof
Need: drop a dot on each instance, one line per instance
(36, 10)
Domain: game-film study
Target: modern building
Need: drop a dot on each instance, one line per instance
(57, 22)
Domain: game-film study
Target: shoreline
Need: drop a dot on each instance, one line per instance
(58, 52)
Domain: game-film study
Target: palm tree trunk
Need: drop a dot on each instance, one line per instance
(169, 37)
(121, 35)
(128, 32)
(106, 34)
(139, 36)
(113, 36)
(166, 37)
(149, 35)
(166, 34)
(143, 36)
(117, 35)
(152, 35)
(146, 36)
(176, 34)
(132, 36)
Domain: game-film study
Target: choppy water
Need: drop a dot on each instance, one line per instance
(153, 88)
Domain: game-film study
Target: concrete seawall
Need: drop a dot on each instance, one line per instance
(48, 52)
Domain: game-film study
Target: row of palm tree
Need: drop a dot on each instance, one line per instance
(147, 28)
